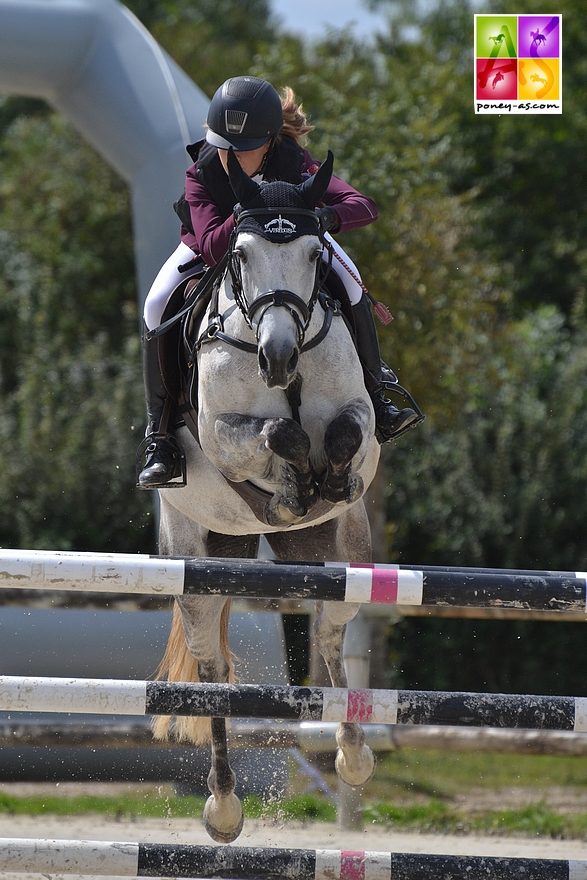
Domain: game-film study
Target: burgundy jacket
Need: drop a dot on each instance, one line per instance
(211, 201)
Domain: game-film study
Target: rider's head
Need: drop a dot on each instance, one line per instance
(245, 113)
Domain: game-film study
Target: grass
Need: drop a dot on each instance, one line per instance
(412, 791)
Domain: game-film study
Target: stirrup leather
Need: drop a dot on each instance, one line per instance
(148, 445)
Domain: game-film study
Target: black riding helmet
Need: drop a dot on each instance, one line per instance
(244, 113)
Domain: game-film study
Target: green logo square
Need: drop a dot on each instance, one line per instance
(497, 36)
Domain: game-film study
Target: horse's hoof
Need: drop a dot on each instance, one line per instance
(357, 772)
(223, 818)
(282, 511)
(339, 490)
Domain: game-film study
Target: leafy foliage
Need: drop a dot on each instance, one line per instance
(69, 358)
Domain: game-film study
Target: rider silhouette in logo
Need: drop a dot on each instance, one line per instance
(537, 38)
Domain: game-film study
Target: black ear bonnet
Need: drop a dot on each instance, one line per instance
(278, 211)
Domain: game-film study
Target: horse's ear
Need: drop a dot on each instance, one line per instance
(314, 187)
(243, 187)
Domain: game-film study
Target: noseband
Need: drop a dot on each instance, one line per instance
(285, 299)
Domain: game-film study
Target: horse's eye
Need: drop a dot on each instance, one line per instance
(240, 255)
(315, 255)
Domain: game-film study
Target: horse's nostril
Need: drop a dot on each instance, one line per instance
(263, 362)
(293, 361)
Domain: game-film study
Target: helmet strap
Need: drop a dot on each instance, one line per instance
(263, 166)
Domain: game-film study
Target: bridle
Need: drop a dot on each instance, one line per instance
(300, 310)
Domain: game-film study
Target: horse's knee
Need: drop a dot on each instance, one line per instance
(342, 440)
(286, 439)
(345, 433)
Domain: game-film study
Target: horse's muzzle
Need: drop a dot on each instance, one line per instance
(278, 364)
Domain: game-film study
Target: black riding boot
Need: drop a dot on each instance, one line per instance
(160, 450)
(380, 379)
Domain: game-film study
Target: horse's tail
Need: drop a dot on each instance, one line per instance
(178, 664)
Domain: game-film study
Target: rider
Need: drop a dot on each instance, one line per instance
(265, 131)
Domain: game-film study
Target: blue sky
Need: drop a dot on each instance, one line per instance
(313, 18)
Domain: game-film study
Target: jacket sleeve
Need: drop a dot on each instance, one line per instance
(352, 207)
(211, 230)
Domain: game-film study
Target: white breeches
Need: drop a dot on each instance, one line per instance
(165, 283)
(349, 275)
(169, 277)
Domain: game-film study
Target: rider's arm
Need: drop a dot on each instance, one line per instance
(211, 230)
(352, 207)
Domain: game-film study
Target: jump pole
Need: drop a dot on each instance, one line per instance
(331, 581)
(308, 736)
(365, 706)
(102, 858)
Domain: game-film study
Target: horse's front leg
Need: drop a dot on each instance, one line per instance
(298, 491)
(355, 761)
(343, 439)
(248, 447)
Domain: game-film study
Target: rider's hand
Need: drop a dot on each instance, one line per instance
(328, 218)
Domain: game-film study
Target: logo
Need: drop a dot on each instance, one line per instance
(235, 120)
(280, 226)
(518, 64)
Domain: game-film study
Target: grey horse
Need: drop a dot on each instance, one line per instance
(293, 467)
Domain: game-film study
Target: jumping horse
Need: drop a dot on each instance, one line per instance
(282, 444)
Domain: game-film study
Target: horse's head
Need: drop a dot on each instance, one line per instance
(275, 264)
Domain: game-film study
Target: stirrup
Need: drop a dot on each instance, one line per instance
(176, 482)
(385, 438)
(389, 382)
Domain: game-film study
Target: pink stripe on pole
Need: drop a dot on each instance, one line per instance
(384, 585)
(352, 865)
(359, 705)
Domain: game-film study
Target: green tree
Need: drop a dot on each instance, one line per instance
(505, 485)
(69, 358)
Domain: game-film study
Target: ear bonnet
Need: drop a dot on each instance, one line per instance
(279, 211)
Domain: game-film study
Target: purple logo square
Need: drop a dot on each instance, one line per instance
(539, 36)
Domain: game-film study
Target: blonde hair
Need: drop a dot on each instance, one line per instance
(295, 121)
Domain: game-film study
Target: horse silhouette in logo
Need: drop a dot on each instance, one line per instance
(538, 79)
(537, 38)
(498, 40)
(497, 78)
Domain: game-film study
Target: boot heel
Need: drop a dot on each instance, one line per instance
(170, 455)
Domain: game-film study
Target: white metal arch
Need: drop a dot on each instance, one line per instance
(95, 62)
